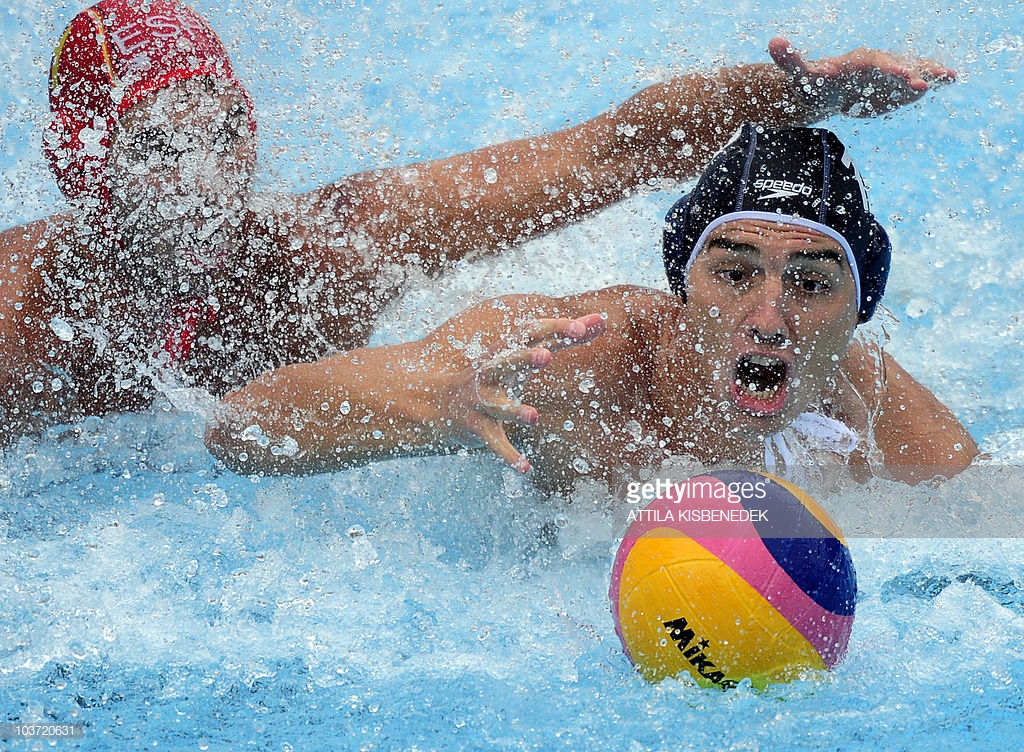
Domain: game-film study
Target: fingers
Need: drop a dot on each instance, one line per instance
(918, 74)
(786, 56)
(862, 83)
(556, 334)
(493, 435)
(506, 408)
(509, 369)
(489, 427)
(935, 73)
(519, 363)
(498, 381)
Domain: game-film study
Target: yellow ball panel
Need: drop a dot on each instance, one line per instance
(720, 629)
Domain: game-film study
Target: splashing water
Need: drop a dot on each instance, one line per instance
(165, 603)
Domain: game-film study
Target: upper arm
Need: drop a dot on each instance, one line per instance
(919, 437)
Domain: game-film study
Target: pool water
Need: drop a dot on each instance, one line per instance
(441, 603)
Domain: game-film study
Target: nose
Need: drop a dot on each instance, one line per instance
(204, 172)
(766, 321)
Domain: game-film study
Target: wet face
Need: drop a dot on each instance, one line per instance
(772, 309)
(180, 174)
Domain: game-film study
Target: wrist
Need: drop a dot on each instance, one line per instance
(813, 96)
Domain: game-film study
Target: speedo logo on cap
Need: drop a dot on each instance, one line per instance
(780, 189)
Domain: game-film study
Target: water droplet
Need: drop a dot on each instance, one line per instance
(714, 311)
(251, 433)
(289, 447)
(345, 408)
(490, 176)
(62, 329)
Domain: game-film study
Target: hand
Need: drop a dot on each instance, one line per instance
(494, 389)
(862, 83)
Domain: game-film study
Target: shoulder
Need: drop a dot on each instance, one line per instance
(26, 251)
(630, 309)
(622, 300)
(40, 235)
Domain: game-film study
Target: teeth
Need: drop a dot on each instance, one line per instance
(761, 375)
(765, 360)
(754, 389)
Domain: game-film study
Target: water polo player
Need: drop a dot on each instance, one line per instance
(167, 265)
(774, 258)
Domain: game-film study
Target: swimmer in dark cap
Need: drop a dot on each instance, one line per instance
(774, 259)
(168, 267)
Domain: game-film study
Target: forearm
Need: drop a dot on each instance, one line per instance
(504, 194)
(501, 195)
(455, 388)
(672, 130)
(341, 412)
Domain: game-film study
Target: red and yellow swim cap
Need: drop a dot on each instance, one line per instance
(109, 57)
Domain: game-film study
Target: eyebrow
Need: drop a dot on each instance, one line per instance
(813, 254)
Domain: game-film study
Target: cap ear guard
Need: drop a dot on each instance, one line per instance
(674, 253)
(874, 271)
(79, 173)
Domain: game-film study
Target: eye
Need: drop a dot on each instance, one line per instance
(160, 147)
(225, 138)
(734, 274)
(149, 149)
(811, 283)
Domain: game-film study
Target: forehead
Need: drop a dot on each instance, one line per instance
(194, 99)
(765, 237)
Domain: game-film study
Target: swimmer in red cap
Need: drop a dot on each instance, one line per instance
(773, 260)
(168, 265)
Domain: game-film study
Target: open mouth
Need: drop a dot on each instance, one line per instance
(760, 384)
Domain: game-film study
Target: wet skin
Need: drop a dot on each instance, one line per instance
(296, 278)
(605, 382)
(667, 374)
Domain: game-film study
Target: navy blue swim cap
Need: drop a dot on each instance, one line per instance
(801, 176)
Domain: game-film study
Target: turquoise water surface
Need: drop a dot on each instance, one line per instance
(165, 603)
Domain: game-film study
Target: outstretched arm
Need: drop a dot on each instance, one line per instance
(504, 194)
(453, 389)
(918, 436)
